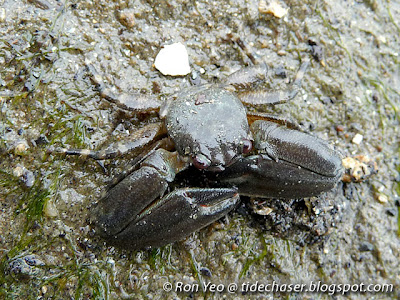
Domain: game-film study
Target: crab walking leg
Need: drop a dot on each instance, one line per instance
(290, 164)
(135, 143)
(130, 102)
(262, 97)
(136, 213)
(244, 78)
(287, 122)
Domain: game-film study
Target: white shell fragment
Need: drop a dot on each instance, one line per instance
(49, 209)
(272, 7)
(357, 139)
(173, 60)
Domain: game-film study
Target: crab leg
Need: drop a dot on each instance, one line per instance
(131, 102)
(133, 145)
(262, 97)
(288, 122)
(244, 78)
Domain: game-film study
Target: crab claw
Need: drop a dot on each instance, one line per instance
(136, 214)
(175, 216)
(290, 164)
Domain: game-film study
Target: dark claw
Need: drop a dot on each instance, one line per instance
(267, 178)
(175, 216)
(297, 148)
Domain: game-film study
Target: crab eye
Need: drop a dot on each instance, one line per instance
(201, 162)
(247, 146)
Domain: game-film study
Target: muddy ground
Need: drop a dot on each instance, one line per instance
(47, 248)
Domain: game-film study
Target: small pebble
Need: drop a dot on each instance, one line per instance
(41, 140)
(281, 72)
(358, 168)
(382, 199)
(339, 128)
(2, 14)
(205, 271)
(264, 211)
(127, 17)
(44, 289)
(317, 51)
(21, 147)
(382, 39)
(357, 139)
(366, 247)
(28, 178)
(391, 212)
(18, 171)
(173, 60)
(25, 175)
(272, 7)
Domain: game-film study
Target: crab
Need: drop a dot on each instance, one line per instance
(207, 128)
